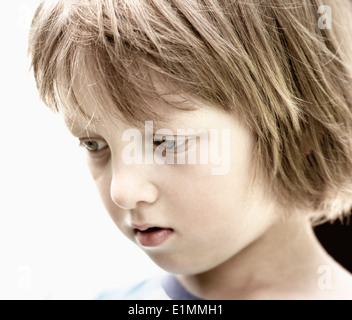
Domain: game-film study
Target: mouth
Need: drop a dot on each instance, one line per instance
(152, 236)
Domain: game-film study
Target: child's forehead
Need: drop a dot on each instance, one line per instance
(90, 120)
(94, 106)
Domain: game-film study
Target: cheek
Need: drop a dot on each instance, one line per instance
(98, 167)
(102, 177)
(115, 212)
(217, 206)
(206, 206)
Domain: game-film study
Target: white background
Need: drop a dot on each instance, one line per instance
(56, 239)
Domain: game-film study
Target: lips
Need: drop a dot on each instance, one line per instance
(151, 236)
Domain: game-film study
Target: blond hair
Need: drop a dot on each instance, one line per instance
(268, 62)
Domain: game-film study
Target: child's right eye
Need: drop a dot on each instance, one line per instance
(93, 145)
(172, 144)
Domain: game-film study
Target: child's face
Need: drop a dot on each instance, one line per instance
(205, 219)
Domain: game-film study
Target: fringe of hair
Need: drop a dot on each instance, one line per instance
(266, 62)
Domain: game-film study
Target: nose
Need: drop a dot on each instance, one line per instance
(130, 186)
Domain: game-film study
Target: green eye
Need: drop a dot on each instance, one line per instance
(170, 143)
(93, 145)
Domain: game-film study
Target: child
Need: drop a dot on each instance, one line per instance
(163, 93)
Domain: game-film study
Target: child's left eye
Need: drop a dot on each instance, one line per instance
(93, 145)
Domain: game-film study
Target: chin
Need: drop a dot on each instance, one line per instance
(180, 265)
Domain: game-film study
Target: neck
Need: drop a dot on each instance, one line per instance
(284, 260)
